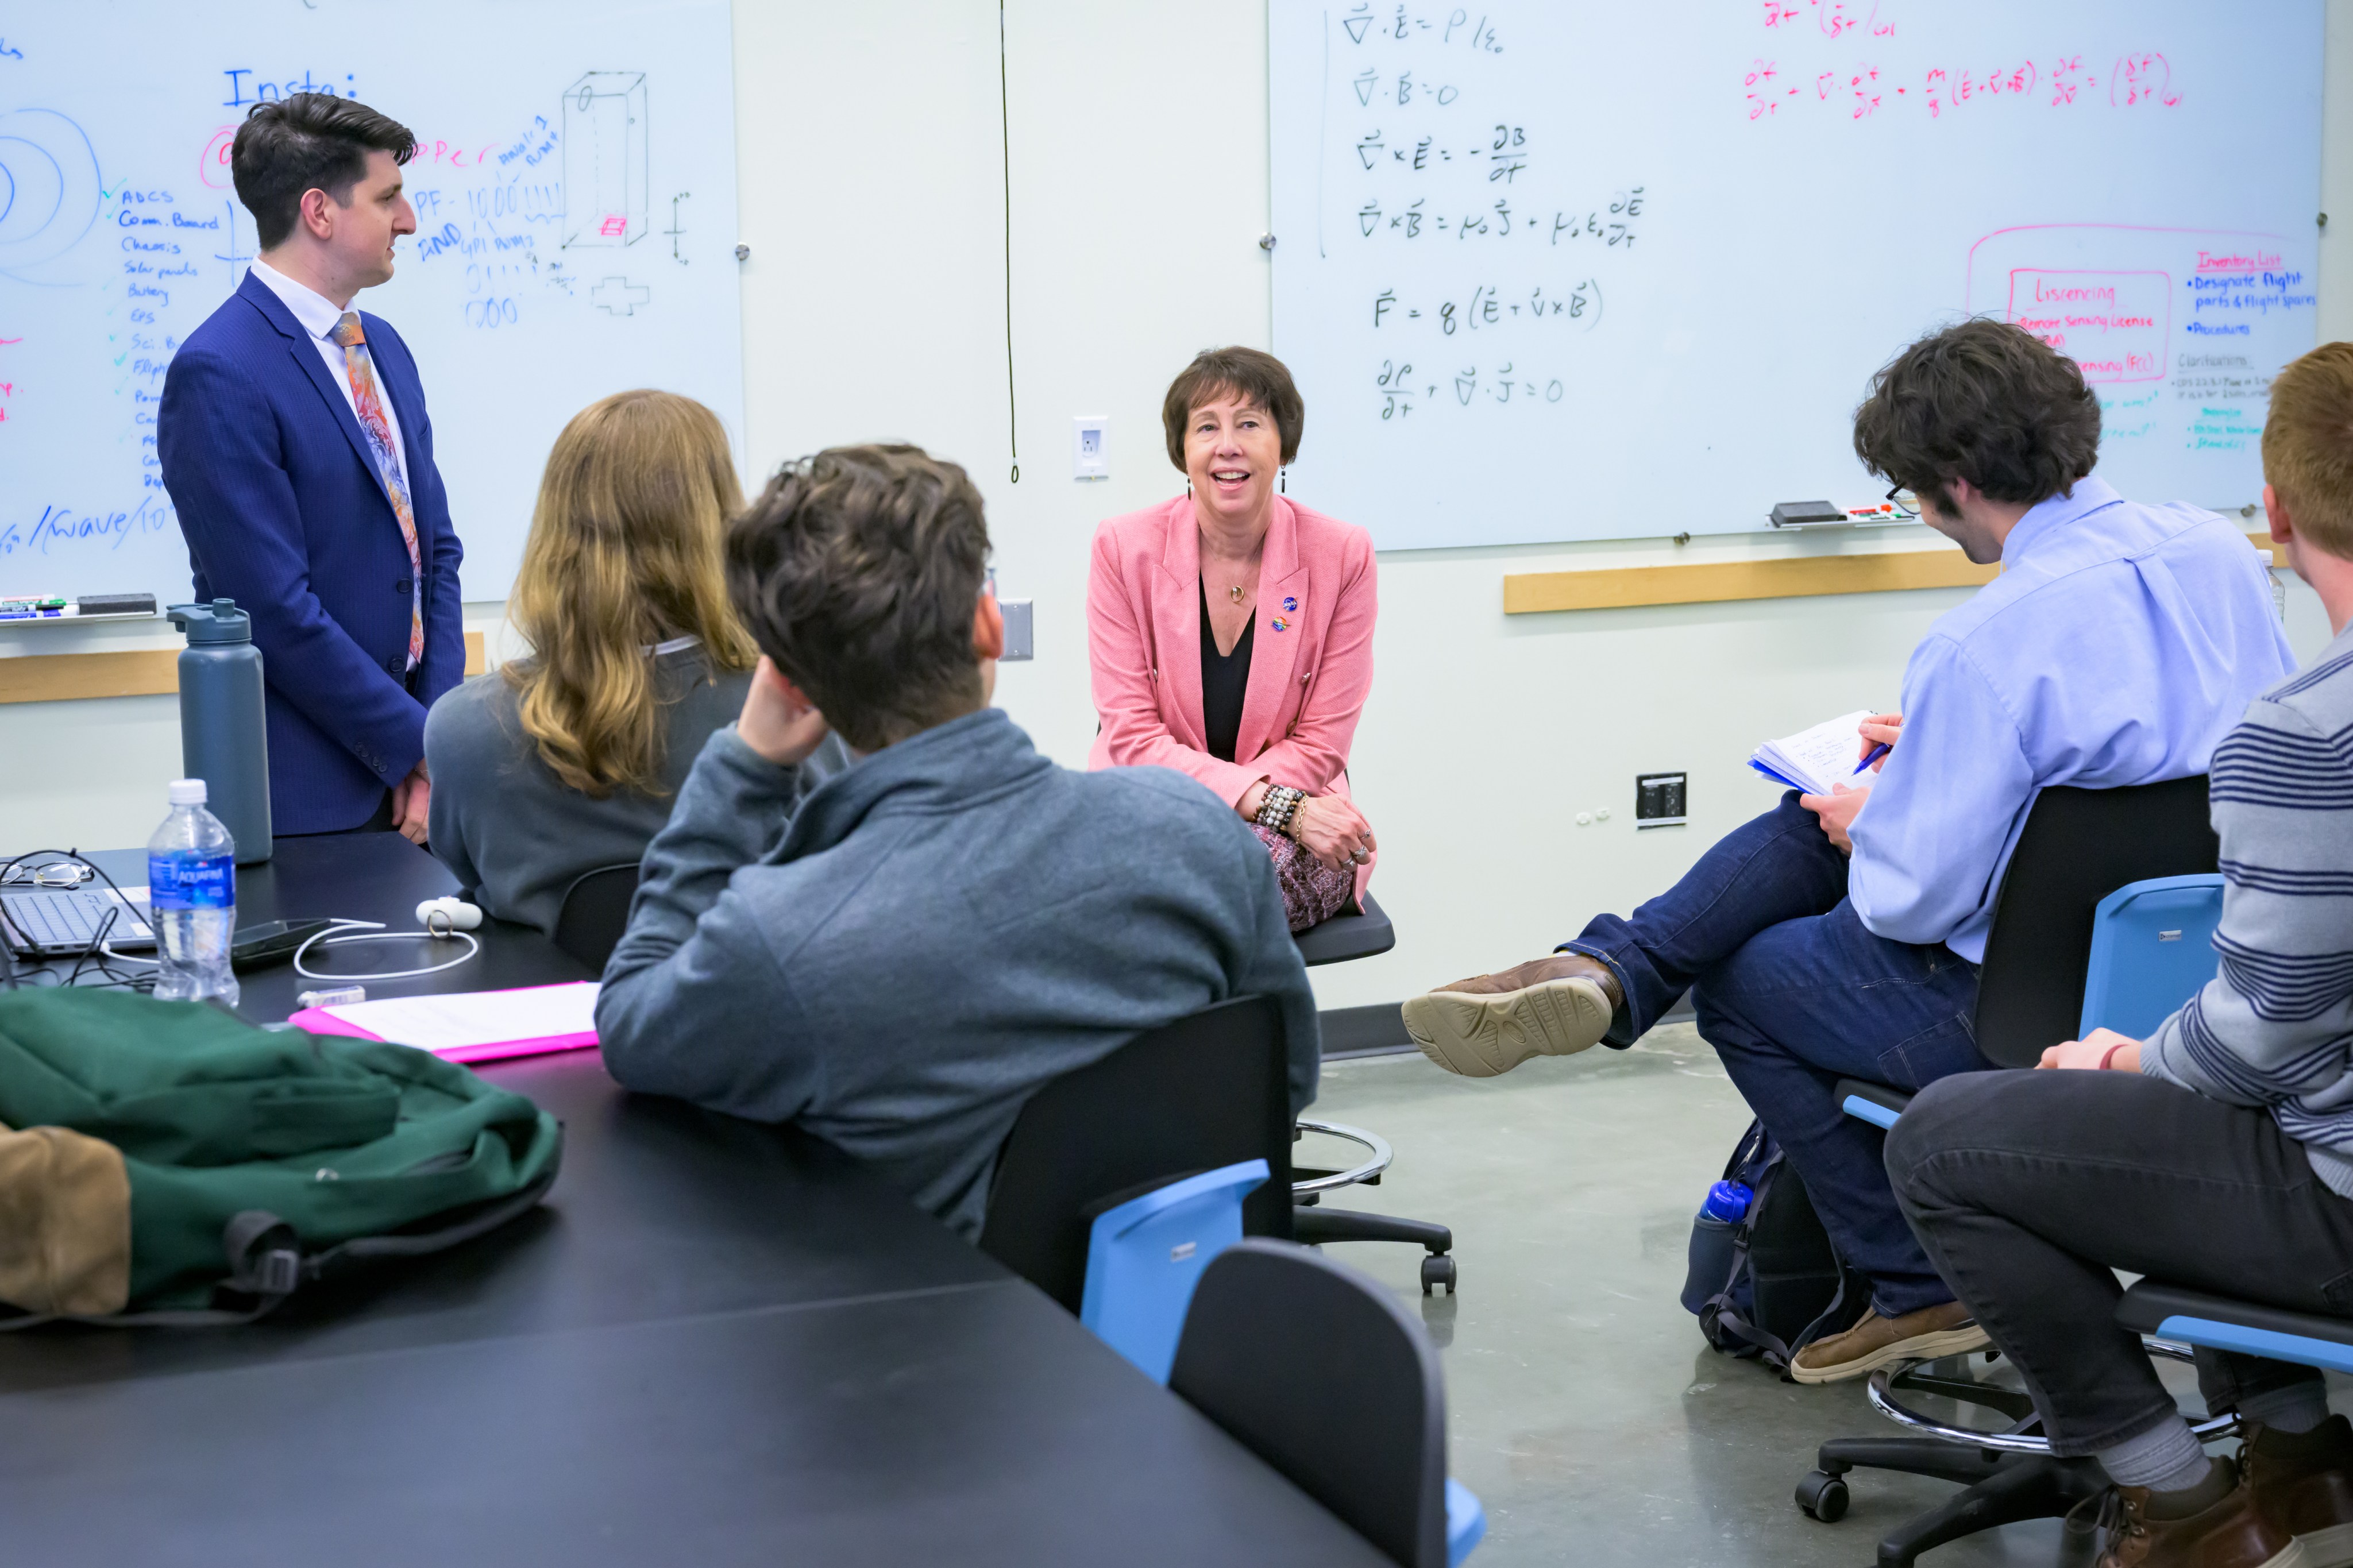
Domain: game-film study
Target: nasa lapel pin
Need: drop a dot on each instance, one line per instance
(1291, 604)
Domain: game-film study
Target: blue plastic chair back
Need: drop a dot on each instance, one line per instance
(2152, 950)
(1144, 1257)
(1466, 1521)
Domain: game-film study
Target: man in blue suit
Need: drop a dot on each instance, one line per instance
(296, 447)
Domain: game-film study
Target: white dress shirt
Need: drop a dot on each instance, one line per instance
(318, 316)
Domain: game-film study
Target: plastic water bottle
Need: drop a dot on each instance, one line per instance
(1708, 1268)
(192, 891)
(1727, 1202)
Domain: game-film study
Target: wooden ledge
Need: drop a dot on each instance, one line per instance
(1721, 582)
(128, 672)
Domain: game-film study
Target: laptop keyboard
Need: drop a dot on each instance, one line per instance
(63, 922)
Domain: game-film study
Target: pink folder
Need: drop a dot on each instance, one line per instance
(323, 1021)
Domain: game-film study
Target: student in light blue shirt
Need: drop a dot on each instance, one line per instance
(1824, 939)
(2118, 647)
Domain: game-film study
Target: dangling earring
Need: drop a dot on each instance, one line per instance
(1188, 487)
(1283, 480)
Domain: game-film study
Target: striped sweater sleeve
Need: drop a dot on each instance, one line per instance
(2273, 1027)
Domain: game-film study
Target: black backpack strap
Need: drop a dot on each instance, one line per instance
(481, 1222)
(1720, 1320)
(1835, 1318)
(266, 1262)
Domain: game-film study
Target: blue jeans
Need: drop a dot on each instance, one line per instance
(1795, 993)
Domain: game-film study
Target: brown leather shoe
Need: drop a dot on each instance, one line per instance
(2232, 1533)
(1490, 1024)
(2302, 1482)
(1877, 1342)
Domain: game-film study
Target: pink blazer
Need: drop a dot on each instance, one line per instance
(1307, 680)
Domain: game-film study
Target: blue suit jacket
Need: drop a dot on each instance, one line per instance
(283, 512)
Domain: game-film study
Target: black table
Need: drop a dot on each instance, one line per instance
(717, 1342)
(364, 876)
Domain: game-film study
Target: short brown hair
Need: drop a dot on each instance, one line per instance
(1986, 401)
(307, 142)
(1253, 377)
(2308, 446)
(858, 571)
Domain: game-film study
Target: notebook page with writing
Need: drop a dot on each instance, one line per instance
(1817, 759)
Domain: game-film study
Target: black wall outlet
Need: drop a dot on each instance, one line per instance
(1659, 800)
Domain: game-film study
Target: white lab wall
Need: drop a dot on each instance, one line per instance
(872, 198)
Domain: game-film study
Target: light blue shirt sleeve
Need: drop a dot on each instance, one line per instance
(1929, 842)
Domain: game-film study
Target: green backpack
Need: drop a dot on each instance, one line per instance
(163, 1162)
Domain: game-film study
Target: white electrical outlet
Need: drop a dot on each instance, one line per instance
(1090, 446)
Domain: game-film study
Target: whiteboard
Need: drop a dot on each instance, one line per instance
(1554, 270)
(575, 187)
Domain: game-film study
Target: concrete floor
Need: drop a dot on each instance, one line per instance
(1584, 1408)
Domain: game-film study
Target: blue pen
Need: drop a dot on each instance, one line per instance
(1877, 751)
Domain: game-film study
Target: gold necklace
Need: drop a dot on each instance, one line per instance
(1235, 592)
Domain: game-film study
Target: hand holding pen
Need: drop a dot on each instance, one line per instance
(1880, 731)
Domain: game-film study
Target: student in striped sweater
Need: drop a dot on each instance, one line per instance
(2219, 1152)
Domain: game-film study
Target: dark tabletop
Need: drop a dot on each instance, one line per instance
(716, 1342)
(364, 876)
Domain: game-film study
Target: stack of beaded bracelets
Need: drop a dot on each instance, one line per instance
(1279, 808)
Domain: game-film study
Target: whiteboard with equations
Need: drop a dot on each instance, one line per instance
(575, 187)
(1575, 270)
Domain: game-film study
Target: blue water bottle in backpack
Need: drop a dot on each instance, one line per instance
(1715, 1231)
(192, 893)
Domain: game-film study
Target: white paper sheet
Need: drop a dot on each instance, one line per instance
(476, 1017)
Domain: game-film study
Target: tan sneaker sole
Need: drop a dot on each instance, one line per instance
(2331, 1546)
(1919, 1347)
(1482, 1036)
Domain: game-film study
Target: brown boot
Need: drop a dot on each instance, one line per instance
(1490, 1024)
(1878, 1342)
(2302, 1482)
(2232, 1533)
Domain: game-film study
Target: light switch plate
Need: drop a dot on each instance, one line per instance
(1090, 446)
(1019, 643)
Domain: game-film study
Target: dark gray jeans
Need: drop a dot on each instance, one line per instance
(2026, 1188)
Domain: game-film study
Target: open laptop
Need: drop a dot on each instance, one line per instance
(62, 923)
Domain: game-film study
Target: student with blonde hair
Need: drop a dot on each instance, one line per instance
(569, 759)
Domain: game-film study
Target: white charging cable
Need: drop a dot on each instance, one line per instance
(342, 932)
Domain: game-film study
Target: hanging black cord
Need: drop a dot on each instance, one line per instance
(1005, 133)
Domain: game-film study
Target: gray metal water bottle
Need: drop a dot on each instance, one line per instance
(224, 740)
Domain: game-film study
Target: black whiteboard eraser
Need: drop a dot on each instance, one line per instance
(115, 604)
(1806, 514)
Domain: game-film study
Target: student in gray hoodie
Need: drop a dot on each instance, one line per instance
(897, 961)
(2218, 1153)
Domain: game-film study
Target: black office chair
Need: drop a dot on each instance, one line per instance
(1317, 1371)
(1337, 941)
(1210, 1090)
(594, 912)
(2078, 847)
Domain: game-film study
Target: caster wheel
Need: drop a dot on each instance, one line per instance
(1435, 1272)
(1822, 1496)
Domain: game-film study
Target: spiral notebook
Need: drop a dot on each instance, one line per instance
(1816, 761)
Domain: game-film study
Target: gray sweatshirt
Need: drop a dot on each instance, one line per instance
(514, 834)
(897, 961)
(2274, 1028)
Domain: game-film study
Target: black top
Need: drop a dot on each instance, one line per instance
(1225, 679)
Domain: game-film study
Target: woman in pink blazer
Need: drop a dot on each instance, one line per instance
(1231, 632)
